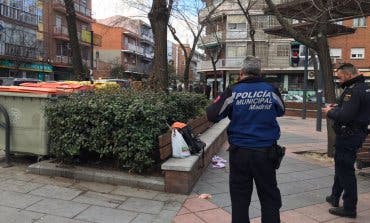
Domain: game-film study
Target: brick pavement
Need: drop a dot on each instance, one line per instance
(303, 183)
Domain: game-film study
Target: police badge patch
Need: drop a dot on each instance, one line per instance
(347, 97)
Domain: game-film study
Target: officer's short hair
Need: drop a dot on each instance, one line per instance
(349, 68)
(251, 66)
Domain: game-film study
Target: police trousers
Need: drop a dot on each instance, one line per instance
(246, 166)
(345, 181)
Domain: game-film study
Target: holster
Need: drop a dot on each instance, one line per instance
(276, 155)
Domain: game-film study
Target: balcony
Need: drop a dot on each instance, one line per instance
(18, 51)
(140, 69)
(148, 56)
(147, 38)
(18, 15)
(212, 39)
(237, 35)
(225, 7)
(131, 48)
(222, 64)
(62, 60)
(60, 32)
(82, 12)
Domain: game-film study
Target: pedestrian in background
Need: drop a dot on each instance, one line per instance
(252, 105)
(351, 118)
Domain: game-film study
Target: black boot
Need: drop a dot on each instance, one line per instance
(332, 201)
(340, 211)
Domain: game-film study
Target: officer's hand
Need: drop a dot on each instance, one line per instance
(327, 109)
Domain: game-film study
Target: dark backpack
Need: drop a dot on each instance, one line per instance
(195, 144)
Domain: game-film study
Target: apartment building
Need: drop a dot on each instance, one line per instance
(125, 42)
(354, 48)
(56, 38)
(194, 76)
(21, 39)
(227, 42)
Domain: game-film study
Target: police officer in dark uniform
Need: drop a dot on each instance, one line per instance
(351, 117)
(252, 105)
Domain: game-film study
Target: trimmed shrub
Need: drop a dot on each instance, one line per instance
(123, 126)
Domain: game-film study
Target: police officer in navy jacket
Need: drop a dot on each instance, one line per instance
(252, 105)
(351, 119)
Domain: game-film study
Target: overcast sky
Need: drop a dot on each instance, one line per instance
(105, 8)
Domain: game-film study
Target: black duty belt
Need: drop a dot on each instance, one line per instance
(247, 149)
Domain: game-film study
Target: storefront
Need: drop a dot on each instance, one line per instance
(20, 69)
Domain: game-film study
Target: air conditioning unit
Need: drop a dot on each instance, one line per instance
(311, 75)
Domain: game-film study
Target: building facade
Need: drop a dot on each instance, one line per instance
(56, 38)
(194, 75)
(227, 42)
(354, 48)
(21, 39)
(125, 42)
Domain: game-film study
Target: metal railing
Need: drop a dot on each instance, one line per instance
(148, 38)
(18, 14)
(232, 64)
(60, 59)
(134, 48)
(239, 34)
(61, 31)
(212, 38)
(8, 49)
(141, 68)
(81, 9)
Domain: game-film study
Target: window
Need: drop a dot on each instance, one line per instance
(282, 50)
(237, 26)
(236, 51)
(359, 22)
(273, 22)
(260, 21)
(58, 21)
(62, 49)
(357, 53)
(336, 53)
(83, 3)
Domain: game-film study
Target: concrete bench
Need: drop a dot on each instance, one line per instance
(180, 175)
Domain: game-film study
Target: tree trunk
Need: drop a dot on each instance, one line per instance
(187, 72)
(252, 32)
(327, 71)
(73, 40)
(159, 16)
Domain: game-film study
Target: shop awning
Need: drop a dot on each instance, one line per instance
(28, 66)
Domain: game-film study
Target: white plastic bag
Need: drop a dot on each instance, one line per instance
(179, 147)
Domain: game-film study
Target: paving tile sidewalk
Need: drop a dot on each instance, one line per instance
(29, 198)
(303, 183)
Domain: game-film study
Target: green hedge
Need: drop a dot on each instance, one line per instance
(123, 126)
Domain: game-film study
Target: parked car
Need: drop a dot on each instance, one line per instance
(292, 98)
(313, 99)
(10, 81)
(124, 83)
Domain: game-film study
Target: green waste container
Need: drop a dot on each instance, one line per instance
(28, 130)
